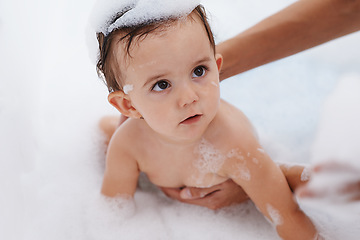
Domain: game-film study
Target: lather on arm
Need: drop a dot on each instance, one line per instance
(300, 26)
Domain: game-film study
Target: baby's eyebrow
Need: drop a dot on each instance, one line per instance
(150, 79)
(205, 59)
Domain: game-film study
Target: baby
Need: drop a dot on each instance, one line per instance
(164, 75)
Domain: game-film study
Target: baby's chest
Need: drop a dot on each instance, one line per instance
(186, 170)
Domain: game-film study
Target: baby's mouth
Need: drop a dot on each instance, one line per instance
(191, 119)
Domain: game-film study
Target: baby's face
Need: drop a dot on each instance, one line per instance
(172, 79)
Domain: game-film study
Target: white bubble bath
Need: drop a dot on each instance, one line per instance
(52, 153)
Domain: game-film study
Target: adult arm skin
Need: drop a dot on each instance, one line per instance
(302, 25)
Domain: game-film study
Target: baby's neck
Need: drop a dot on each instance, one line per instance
(178, 143)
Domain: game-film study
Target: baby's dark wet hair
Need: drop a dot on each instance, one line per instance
(128, 34)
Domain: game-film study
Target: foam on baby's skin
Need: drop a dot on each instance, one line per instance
(150, 63)
(210, 159)
(215, 84)
(289, 165)
(241, 171)
(305, 175)
(261, 150)
(235, 153)
(274, 214)
(113, 14)
(286, 165)
(128, 88)
(255, 160)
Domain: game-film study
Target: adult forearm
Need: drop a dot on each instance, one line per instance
(302, 25)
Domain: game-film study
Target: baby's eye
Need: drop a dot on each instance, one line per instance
(160, 86)
(199, 72)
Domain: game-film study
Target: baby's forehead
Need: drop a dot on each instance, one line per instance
(132, 37)
(128, 41)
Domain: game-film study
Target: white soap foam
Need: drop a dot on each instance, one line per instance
(128, 88)
(240, 169)
(243, 172)
(56, 202)
(287, 165)
(136, 12)
(305, 175)
(215, 84)
(235, 153)
(274, 214)
(255, 160)
(104, 14)
(261, 150)
(103, 213)
(210, 159)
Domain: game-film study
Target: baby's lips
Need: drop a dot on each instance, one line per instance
(189, 118)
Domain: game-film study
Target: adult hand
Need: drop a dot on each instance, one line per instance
(215, 197)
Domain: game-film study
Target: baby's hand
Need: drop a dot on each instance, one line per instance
(334, 181)
(218, 196)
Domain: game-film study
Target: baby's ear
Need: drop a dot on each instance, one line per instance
(219, 61)
(122, 103)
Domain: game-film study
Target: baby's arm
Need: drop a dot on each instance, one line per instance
(121, 171)
(296, 175)
(267, 187)
(228, 193)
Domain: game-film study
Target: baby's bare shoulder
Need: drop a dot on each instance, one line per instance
(128, 136)
(233, 115)
(234, 123)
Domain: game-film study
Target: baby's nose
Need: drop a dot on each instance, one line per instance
(188, 96)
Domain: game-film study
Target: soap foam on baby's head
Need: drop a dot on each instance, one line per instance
(132, 19)
(113, 14)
